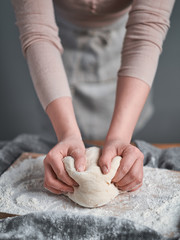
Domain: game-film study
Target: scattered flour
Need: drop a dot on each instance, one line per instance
(156, 205)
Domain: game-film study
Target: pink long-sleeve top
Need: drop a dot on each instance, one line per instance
(146, 29)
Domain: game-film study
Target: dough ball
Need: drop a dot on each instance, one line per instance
(95, 189)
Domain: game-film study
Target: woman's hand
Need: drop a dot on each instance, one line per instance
(129, 175)
(56, 178)
(131, 94)
(61, 114)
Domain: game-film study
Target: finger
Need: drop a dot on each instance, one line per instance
(135, 188)
(53, 190)
(128, 159)
(130, 187)
(105, 159)
(135, 175)
(79, 159)
(58, 167)
(51, 181)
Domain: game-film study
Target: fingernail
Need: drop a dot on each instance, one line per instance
(105, 169)
(76, 185)
(80, 168)
(114, 180)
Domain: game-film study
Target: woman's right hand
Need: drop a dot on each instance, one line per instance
(56, 179)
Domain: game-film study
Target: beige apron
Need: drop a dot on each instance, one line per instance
(92, 57)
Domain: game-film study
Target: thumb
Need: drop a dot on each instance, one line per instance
(105, 161)
(79, 160)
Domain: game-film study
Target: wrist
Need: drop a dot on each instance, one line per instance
(71, 133)
(118, 136)
(131, 95)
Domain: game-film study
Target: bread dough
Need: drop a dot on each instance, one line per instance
(95, 189)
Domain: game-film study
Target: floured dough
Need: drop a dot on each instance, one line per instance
(95, 189)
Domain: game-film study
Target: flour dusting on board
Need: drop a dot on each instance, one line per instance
(156, 205)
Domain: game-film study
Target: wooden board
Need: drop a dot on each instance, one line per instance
(26, 155)
(23, 156)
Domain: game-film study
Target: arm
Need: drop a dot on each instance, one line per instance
(42, 48)
(70, 143)
(146, 29)
(130, 99)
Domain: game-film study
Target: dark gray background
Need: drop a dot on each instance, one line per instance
(21, 112)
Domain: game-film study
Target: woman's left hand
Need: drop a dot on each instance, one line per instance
(129, 176)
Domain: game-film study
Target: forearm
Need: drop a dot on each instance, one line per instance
(131, 95)
(47, 72)
(61, 114)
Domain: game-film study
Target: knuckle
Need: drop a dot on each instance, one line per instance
(51, 155)
(76, 152)
(138, 179)
(124, 169)
(129, 150)
(135, 150)
(79, 155)
(49, 182)
(133, 176)
(59, 173)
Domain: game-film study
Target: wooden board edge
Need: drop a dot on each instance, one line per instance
(6, 215)
(25, 155)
